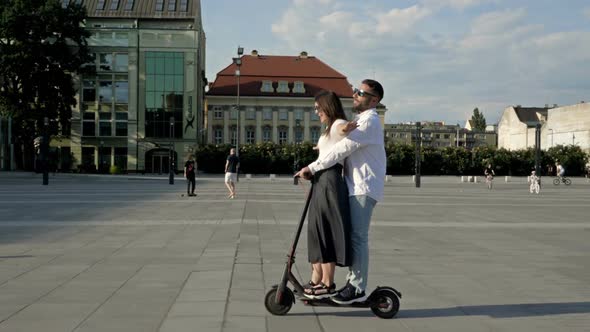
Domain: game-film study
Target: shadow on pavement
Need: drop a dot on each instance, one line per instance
(494, 311)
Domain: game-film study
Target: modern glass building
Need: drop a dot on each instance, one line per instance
(144, 104)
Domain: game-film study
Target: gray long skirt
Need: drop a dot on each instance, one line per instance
(328, 227)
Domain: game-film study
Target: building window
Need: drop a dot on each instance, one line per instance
(159, 5)
(171, 5)
(100, 4)
(104, 124)
(298, 134)
(87, 156)
(283, 87)
(233, 135)
(298, 87)
(283, 135)
(89, 91)
(105, 61)
(183, 5)
(298, 114)
(122, 92)
(218, 132)
(217, 113)
(121, 158)
(129, 5)
(315, 134)
(267, 114)
(447, 136)
(233, 115)
(250, 114)
(250, 135)
(164, 94)
(283, 115)
(89, 124)
(121, 124)
(115, 4)
(267, 86)
(267, 134)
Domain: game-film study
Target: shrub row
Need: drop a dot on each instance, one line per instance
(271, 158)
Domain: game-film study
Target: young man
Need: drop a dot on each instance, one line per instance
(231, 172)
(365, 165)
(189, 173)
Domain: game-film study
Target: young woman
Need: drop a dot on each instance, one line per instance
(329, 212)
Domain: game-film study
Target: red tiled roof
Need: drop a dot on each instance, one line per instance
(314, 74)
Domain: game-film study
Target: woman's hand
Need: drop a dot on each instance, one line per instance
(304, 173)
(348, 127)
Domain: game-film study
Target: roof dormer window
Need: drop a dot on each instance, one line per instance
(298, 87)
(171, 5)
(100, 4)
(183, 5)
(159, 5)
(266, 86)
(115, 5)
(283, 87)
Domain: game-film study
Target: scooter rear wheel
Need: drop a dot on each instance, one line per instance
(386, 303)
(279, 309)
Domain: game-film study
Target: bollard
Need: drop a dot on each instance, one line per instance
(475, 179)
(507, 178)
(387, 178)
(272, 177)
(462, 178)
(248, 176)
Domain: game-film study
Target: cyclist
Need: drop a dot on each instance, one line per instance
(560, 170)
(489, 173)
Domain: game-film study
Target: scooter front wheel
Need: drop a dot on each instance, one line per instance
(385, 303)
(279, 309)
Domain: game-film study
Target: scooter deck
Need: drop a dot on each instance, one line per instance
(327, 302)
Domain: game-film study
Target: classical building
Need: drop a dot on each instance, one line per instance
(148, 91)
(438, 134)
(563, 125)
(276, 99)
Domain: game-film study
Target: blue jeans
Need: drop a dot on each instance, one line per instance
(361, 209)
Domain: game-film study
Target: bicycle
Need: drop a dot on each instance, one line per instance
(535, 186)
(562, 179)
(489, 180)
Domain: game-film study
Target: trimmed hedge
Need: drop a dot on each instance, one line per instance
(271, 158)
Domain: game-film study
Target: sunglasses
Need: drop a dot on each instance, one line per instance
(362, 93)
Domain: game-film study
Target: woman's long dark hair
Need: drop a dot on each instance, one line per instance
(329, 103)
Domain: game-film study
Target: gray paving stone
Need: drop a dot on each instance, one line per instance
(96, 256)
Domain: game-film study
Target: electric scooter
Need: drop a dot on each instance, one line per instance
(383, 301)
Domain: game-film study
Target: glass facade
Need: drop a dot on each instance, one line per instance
(164, 93)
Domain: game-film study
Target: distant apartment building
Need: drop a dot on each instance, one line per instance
(560, 125)
(146, 98)
(276, 99)
(438, 134)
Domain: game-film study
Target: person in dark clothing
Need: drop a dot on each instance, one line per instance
(231, 172)
(189, 173)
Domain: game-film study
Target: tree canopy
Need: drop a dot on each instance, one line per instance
(42, 45)
(479, 121)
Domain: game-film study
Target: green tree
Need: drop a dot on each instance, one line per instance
(479, 121)
(41, 46)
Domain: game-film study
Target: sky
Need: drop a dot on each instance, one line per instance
(436, 59)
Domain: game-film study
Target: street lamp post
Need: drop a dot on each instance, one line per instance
(238, 62)
(296, 147)
(573, 139)
(45, 148)
(171, 158)
(538, 149)
(418, 154)
(101, 157)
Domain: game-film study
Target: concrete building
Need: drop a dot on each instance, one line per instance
(148, 91)
(437, 134)
(276, 99)
(564, 125)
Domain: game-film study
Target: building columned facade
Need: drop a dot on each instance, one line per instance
(437, 134)
(560, 125)
(276, 99)
(145, 101)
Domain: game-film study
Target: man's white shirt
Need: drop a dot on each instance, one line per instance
(365, 164)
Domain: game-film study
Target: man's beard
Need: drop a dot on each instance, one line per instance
(359, 108)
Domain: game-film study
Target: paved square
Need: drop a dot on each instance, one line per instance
(101, 253)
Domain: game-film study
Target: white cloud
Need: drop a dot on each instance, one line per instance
(397, 21)
(441, 75)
